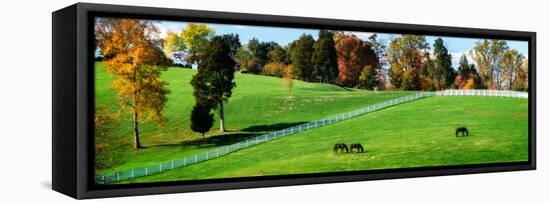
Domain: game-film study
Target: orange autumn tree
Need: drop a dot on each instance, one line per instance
(135, 57)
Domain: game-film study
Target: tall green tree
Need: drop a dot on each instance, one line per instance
(213, 83)
(137, 60)
(324, 58)
(443, 73)
(302, 51)
(234, 43)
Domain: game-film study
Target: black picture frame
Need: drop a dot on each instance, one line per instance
(73, 100)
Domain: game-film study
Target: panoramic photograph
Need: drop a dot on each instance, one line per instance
(182, 101)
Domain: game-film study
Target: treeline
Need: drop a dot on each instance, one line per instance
(344, 59)
(412, 67)
(335, 57)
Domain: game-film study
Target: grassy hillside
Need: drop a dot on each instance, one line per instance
(259, 104)
(415, 134)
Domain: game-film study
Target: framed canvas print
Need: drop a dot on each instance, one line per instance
(157, 100)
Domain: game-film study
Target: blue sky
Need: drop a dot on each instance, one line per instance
(456, 45)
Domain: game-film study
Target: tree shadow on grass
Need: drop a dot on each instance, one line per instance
(232, 136)
(271, 127)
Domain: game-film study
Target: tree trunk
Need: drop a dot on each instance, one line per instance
(222, 123)
(136, 131)
(511, 81)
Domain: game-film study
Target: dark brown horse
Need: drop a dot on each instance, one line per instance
(341, 146)
(357, 146)
(461, 130)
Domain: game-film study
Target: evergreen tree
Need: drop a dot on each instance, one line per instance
(277, 55)
(325, 65)
(443, 74)
(213, 82)
(301, 58)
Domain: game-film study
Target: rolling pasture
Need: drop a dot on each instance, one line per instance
(415, 134)
(259, 104)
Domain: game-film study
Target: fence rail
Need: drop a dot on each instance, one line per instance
(224, 150)
(495, 93)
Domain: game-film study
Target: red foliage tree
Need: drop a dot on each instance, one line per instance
(353, 54)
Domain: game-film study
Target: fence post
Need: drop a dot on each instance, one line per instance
(118, 177)
(184, 161)
(146, 171)
(217, 152)
(172, 164)
(195, 158)
(132, 173)
(207, 155)
(160, 167)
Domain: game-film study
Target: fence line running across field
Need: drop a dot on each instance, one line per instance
(224, 150)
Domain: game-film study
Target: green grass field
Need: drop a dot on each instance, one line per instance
(414, 134)
(259, 104)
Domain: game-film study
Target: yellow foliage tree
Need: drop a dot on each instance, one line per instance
(470, 84)
(196, 37)
(275, 69)
(136, 59)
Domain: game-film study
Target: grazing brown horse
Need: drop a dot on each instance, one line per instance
(341, 146)
(357, 146)
(461, 130)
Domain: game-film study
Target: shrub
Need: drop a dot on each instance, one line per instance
(275, 69)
